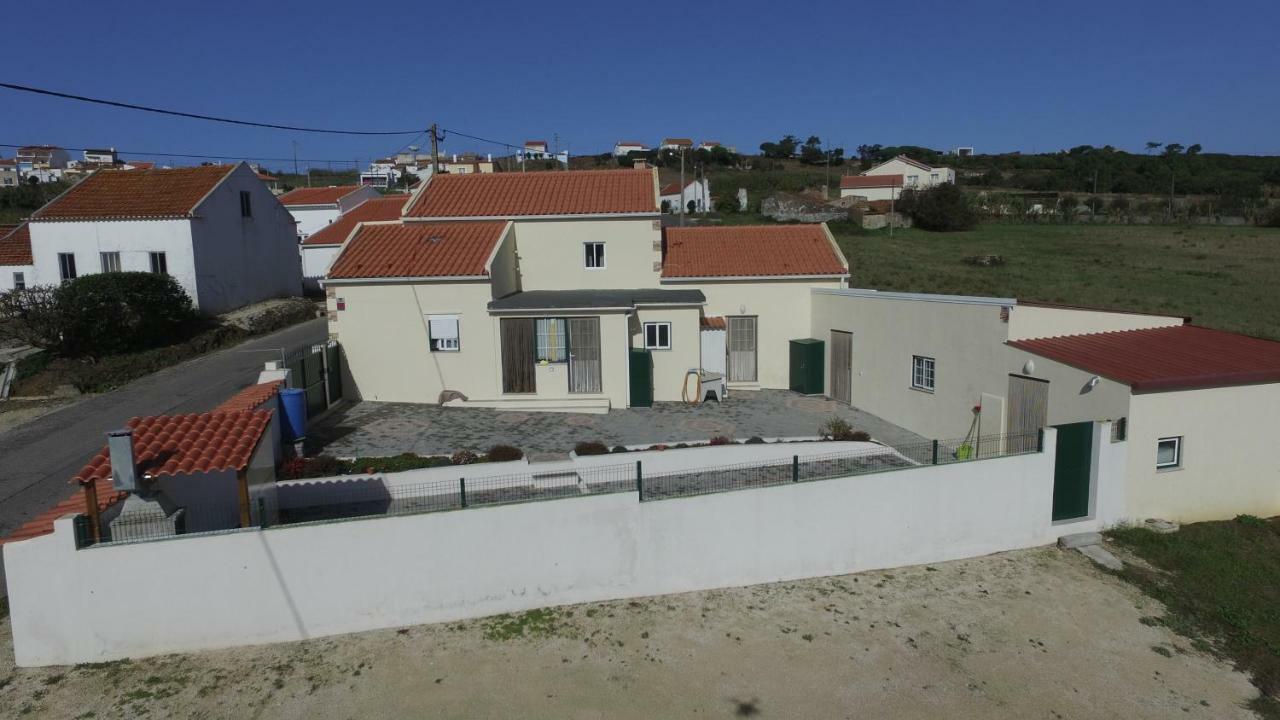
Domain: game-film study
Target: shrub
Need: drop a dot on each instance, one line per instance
(860, 436)
(591, 448)
(318, 466)
(839, 429)
(1270, 217)
(112, 313)
(398, 463)
(941, 208)
(504, 453)
(720, 440)
(755, 440)
(463, 457)
(620, 449)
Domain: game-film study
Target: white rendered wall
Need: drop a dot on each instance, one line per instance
(550, 253)
(291, 583)
(7, 271)
(135, 240)
(316, 260)
(313, 218)
(1037, 321)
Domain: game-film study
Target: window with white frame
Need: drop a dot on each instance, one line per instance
(19, 281)
(912, 180)
(159, 263)
(443, 332)
(657, 336)
(933, 177)
(1169, 453)
(550, 340)
(67, 266)
(110, 262)
(593, 255)
(922, 372)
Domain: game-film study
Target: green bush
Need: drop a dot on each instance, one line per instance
(112, 313)
(1271, 217)
(941, 208)
(504, 453)
(590, 448)
(839, 429)
(464, 457)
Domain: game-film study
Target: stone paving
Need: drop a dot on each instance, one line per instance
(376, 429)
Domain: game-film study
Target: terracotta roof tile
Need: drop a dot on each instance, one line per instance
(677, 141)
(121, 194)
(381, 209)
(1180, 357)
(42, 524)
(318, 196)
(458, 249)
(187, 444)
(139, 165)
(251, 397)
(670, 189)
(578, 192)
(750, 250)
(15, 245)
(870, 181)
(714, 322)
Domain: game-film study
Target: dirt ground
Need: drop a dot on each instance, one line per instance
(16, 412)
(1031, 634)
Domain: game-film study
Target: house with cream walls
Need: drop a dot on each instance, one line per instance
(216, 229)
(887, 180)
(562, 291)
(314, 208)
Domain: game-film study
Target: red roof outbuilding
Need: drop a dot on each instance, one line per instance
(1180, 357)
(751, 251)
(378, 210)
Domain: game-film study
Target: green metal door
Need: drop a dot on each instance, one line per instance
(641, 378)
(333, 371)
(1072, 469)
(806, 366)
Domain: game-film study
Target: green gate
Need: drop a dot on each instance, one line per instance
(318, 372)
(1072, 469)
(333, 372)
(641, 378)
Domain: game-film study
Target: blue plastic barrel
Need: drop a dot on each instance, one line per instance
(293, 409)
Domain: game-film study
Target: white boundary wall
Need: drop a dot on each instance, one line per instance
(304, 581)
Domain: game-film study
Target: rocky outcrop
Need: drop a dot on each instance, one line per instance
(791, 208)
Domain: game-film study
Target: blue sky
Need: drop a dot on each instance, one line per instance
(996, 75)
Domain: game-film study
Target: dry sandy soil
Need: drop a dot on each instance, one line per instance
(1029, 634)
(16, 412)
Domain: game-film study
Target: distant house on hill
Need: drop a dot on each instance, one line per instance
(676, 144)
(314, 208)
(887, 180)
(623, 147)
(215, 229)
(677, 201)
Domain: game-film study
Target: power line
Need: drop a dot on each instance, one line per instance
(196, 116)
(194, 155)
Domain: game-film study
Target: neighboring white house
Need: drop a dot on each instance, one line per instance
(708, 144)
(622, 147)
(541, 291)
(107, 157)
(871, 187)
(41, 163)
(677, 201)
(216, 229)
(676, 144)
(9, 175)
(319, 249)
(16, 268)
(915, 175)
(314, 208)
(536, 150)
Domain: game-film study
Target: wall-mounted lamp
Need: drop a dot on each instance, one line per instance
(1029, 367)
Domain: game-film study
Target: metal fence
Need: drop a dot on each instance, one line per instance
(361, 496)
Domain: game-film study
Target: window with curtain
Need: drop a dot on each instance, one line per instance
(443, 330)
(550, 340)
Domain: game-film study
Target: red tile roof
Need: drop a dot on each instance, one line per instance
(535, 143)
(1180, 357)
(460, 249)
(187, 444)
(318, 196)
(139, 165)
(870, 181)
(714, 322)
(380, 209)
(750, 250)
(42, 524)
(670, 189)
(15, 245)
(578, 192)
(251, 397)
(125, 194)
(676, 141)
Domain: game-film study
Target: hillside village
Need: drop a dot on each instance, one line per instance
(475, 388)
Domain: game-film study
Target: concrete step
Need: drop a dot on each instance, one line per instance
(592, 406)
(1079, 540)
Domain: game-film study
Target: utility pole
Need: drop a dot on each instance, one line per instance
(893, 195)
(556, 136)
(826, 189)
(681, 200)
(435, 149)
(295, 157)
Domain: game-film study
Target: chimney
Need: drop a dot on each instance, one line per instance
(124, 470)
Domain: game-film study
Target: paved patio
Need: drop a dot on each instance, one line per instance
(374, 429)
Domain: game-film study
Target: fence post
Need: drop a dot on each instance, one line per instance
(262, 513)
(795, 468)
(935, 452)
(639, 480)
(462, 490)
(1040, 440)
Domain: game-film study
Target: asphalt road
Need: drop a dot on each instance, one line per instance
(38, 459)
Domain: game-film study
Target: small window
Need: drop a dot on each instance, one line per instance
(1169, 452)
(443, 331)
(246, 204)
(922, 372)
(19, 281)
(657, 336)
(933, 177)
(110, 262)
(159, 263)
(550, 339)
(912, 180)
(67, 266)
(594, 255)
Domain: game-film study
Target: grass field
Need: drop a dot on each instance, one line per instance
(1220, 582)
(1223, 277)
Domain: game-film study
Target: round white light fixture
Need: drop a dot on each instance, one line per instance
(1029, 367)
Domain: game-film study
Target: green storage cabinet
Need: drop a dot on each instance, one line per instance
(641, 378)
(806, 366)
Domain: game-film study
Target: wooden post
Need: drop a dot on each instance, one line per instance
(242, 479)
(91, 509)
